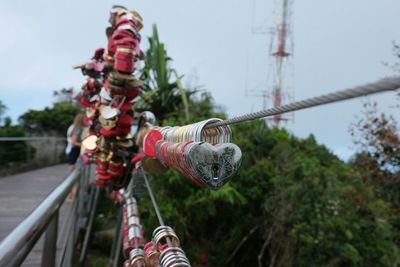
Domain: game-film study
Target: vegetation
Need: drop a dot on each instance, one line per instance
(17, 156)
(49, 121)
(162, 91)
(377, 136)
(293, 203)
(13, 152)
(3, 109)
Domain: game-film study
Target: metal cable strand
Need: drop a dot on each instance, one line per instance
(153, 200)
(386, 84)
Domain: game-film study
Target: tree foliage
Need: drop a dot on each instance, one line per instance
(377, 137)
(12, 152)
(3, 109)
(293, 203)
(162, 91)
(49, 121)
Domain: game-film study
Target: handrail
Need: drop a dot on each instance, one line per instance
(16, 246)
(30, 138)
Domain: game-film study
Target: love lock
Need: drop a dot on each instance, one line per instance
(109, 112)
(91, 113)
(153, 165)
(213, 165)
(105, 96)
(90, 142)
(107, 123)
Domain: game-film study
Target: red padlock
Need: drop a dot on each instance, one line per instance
(132, 93)
(124, 62)
(151, 255)
(126, 107)
(109, 133)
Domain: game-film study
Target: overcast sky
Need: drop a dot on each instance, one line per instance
(337, 44)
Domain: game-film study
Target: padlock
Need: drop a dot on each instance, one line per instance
(101, 161)
(132, 93)
(173, 256)
(205, 164)
(152, 165)
(151, 255)
(137, 257)
(161, 234)
(103, 180)
(107, 124)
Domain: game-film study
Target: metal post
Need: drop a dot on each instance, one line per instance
(56, 158)
(85, 245)
(50, 242)
(28, 152)
(116, 246)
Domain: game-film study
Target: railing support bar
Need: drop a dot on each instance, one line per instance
(16, 246)
(85, 245)
(50, 243)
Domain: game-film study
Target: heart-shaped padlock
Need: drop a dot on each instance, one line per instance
(213, 165)
(90, 142)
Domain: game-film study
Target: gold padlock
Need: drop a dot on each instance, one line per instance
(107, 123)
(152, 165)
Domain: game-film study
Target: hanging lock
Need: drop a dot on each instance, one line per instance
(208, 165)
(109, 112)
(161, 234)
(151, 255)
(107, 123)
(137, 258)
(213, 165)
(173, 256)
(90, 143)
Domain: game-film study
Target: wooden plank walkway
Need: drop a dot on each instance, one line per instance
(21, 193)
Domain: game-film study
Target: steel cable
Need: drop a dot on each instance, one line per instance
(386, 84)
(153, 200)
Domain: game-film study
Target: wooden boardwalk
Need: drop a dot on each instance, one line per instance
(21, 193)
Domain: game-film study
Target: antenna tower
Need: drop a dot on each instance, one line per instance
(280, 53)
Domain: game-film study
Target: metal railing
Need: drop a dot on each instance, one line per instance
(44, 219)
(21, 154)
(26, 138)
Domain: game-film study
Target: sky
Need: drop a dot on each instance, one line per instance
(337, 44)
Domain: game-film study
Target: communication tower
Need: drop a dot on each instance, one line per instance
(280, 53)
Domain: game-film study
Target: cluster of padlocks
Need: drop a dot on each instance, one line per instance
(205, 155)
(132, 233)
(202, 153)
(108, 95)
(162, 251)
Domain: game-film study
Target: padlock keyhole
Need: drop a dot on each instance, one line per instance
(215, 171)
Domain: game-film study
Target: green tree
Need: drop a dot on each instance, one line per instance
(162, 91)
(49, 121)
(3, 109)
(293, 203)
(377, 138)
(13, 151)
